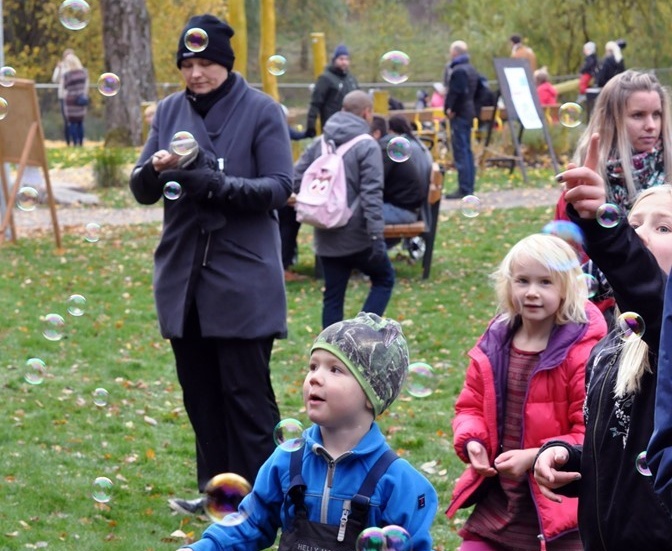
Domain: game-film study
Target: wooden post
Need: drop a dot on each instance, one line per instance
(319, 53)
(237, 18)
(267, 48)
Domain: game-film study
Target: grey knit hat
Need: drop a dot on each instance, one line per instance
(374, 350)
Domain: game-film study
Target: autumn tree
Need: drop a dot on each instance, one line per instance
(126, 35)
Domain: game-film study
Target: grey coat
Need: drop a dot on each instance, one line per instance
(364, 174)
(237, 283)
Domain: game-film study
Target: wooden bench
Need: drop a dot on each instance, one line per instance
(427, 225)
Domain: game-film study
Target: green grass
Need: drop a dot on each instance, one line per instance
(55, 441)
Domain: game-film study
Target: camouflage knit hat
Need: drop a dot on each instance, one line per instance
(375, 352)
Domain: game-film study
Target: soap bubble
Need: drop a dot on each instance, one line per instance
(76, 305)
(74, 15)
(54, 325)
(371, 539)
(109, 84)
(397, 538)
(100, 397)
(591, 283)
(223, 495)
(421, 381)
(7, 76)
(608, 215)
(4, 108)
(102, 489)
(394, 66)
(642, 465)
(92, 232)
(172, 190)
(565, 230)
(183, 143)
(399, 149)
(35, 371)
(569, 114)
(630, 326)
(470, 206)
(27, 198)
(276, 65)
(288, 435)
(196, 40)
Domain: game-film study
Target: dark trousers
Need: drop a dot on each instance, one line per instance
(227, 392)
(289, 231)
(460, 136)
(76, 130)
(337, 270)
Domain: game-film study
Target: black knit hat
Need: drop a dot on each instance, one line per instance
(218, 45)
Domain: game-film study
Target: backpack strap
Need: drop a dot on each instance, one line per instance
(297, 486)
(361, 500)
(345, 147)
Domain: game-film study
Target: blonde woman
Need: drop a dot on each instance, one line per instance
(75, 86)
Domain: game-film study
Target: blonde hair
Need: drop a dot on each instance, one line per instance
(614, 49)
(561, 260)
(634, 360)
(71, 62)
(609, 121)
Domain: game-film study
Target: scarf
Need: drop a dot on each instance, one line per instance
(647, 169)
(203, 102)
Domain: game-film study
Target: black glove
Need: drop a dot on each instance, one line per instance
(198, 183)
(378, 250)
(310, 133)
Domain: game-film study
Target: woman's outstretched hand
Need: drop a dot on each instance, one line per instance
(585, 188)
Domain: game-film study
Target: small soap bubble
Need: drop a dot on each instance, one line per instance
(109, 84)
(223, 495)
(100, 397)
(7, 76)
(276, 65)
(608, 215)
(642, 465)
(74, 15)
(630, 326)
(54, 326)
(196, 40)
(27, 198)
(591, 283)
(565, 230)
(371, 539)
(399, 149)
(421, 381)
(182, 143)
(76, 305)
(394, 66)
(288, 435)
(470, 206)
(92, 232)
(102, 489)
(172, 190)
(4, 108)
(570, 114)
(397, 538)
(35, 371)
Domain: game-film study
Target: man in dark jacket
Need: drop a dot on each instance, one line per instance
(359, 244)
(460, 110)
(218, 282)
(331, 87)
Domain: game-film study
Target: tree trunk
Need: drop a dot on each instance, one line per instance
(128, 54)
(238, 20)
(267, 48)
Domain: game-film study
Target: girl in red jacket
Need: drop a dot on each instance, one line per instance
(524, 386)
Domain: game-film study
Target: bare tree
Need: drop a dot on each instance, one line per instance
(128, 54)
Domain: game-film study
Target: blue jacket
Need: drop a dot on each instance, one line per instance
(402, 497)
(659, 452)
(236, 281)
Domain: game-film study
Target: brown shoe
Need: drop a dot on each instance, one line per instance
(293, 276)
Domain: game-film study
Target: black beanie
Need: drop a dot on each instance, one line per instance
(218, 48)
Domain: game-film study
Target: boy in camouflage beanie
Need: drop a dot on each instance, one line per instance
(375, 352)
(344, 477)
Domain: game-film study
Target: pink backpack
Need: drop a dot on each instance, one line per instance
(322, 200)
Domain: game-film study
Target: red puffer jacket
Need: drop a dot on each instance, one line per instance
(553, 407)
